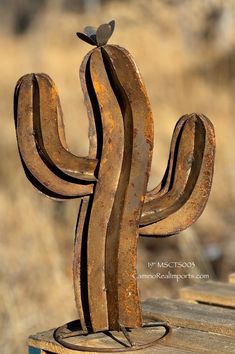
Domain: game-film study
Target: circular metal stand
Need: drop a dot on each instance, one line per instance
(71, 336)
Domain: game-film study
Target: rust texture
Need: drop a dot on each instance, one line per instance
(112, 181)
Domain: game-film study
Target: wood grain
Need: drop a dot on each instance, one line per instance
(200, 342)
(211, 292)
(209, 329)
(180, 341)
(190, 315)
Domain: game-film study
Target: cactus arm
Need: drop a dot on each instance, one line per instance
(138, 130)
(188, 207)
(41, 176)
(181, 164)
(49, 137)
(164, 185)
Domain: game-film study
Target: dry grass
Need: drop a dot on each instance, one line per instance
(183, 73)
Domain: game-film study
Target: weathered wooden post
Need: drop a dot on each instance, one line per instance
(112, 181)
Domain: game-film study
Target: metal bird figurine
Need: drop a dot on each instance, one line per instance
(116, 207)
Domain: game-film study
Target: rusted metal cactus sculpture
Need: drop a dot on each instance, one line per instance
(112, 181)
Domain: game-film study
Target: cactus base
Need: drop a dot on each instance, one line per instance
(71, 337)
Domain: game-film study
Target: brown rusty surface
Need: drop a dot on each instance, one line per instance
(42, 176)
(138, 130)
(165, 184)
(197, 190)
(92, 132)
(79, 268)
(49, 137)
(104, 194)
(157, 208)
(113, 179)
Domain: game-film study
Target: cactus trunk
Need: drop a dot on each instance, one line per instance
(119, 193)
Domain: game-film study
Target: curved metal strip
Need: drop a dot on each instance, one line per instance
(163, 186)
(50, 129)
(84, 74)
(194, 198)
(104, 194)
(181, 163)
(138, 129)
(80, 263)
(36, 170)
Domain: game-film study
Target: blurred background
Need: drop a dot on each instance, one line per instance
(185, 51)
